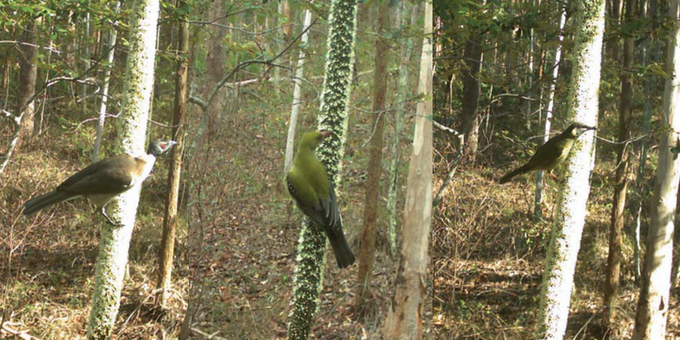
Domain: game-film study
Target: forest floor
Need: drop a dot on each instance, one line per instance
(488, 255)
(244, 260)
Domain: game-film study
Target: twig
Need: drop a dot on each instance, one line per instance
(246, 63)
(20, 334)
(16, 42)
(206, 335)
(456, 160)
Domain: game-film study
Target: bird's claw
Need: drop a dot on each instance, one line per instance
(110, 221)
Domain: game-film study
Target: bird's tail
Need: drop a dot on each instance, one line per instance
(510, 175)
(41, 202)
(341, 249)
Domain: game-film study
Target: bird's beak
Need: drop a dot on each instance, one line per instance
(325, 134)
(170, 144)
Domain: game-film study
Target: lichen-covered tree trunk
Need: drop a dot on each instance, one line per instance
(652, 311)
(549, 111)
(297, 95)
(368, 234)
(170, 220)
(115, 241)
(111, 43)
(567, 228)
(621, 181)
(311, 259)
(400, 12)
(405, 317)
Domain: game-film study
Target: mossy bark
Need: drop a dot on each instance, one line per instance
(567, 228)
(132, 125)
(308, 279)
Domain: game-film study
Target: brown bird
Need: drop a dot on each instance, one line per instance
(101, 181)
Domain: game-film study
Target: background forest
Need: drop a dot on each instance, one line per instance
(237, 227)
(501, 67)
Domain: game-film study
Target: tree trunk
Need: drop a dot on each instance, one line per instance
(404, 319)
(115, 241)
(567, 227)
(402, 90)
(308, 278)
(297, 96)
(471, 92)
(650, 319)
(28, 73)
(621, 181)
(170, 220)
(216, 59)
(84, 51)
(285, 30)
(549, 111)
(649, 57)
(367, 252)
(105, 87)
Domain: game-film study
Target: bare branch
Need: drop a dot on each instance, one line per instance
(246, 63)
(445, 128)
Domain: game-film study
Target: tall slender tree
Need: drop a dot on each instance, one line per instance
(110, 43)
(28, 73)
(170, 220)
(401, 15)
(471, 93)
(549, 110)
(308, 279)
(368, 235)
(404, 320)
(621, 181)
(567, 227)
(297, 95)
(132, 126)
(652, 309)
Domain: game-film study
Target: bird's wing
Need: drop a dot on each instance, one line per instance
(310, 207)
(331, 210)
(545, 156)
(103, 177)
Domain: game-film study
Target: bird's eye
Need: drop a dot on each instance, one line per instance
(162, 145)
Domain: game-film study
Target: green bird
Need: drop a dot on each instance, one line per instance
(552, 153)
(314, 194)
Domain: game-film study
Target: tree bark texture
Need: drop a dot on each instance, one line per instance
(368, 235)
(652, 311)
(621, 180)
(567, 228)
(170, 220)
(405, 316)
(311, 258)
(132, 126)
